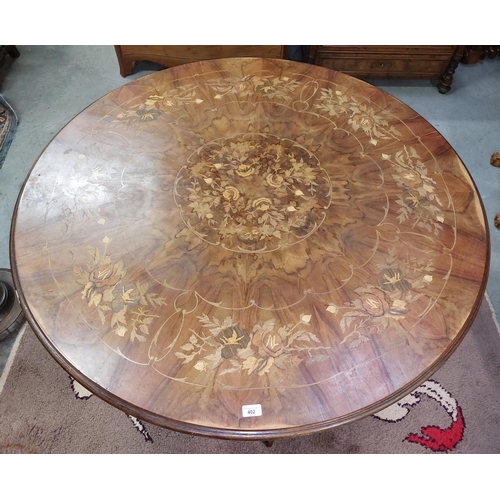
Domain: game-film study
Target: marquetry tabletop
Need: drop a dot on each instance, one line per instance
(249, 248)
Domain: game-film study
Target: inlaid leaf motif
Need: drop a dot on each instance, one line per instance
(186, 358)
(118, 318)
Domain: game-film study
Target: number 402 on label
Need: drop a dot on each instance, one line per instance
(251, 410)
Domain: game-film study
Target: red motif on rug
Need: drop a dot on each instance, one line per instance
(432, 437)
(437, 439)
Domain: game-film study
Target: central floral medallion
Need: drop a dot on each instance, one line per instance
(253, 193)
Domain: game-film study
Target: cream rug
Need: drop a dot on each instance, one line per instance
(42, 410)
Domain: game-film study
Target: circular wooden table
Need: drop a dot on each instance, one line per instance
(249, 249)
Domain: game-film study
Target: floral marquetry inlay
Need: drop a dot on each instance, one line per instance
(253, 193)
(265, 347)
(249, 232)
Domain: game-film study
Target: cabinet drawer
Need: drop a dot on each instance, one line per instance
(387, 62)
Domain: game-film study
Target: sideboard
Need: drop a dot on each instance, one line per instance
(391, 61)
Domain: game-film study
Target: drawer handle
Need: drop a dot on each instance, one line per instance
(379, 64)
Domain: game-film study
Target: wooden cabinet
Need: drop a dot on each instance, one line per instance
(173, 55)
(391, 61)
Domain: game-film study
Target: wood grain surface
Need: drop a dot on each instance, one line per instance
(249, 232)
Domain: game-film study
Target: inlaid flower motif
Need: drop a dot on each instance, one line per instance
(148, 114)
(265, 87)
(232, 339)
(258, 351)
(230, 193)
(125, 307)
(419, 200)
(411, 179)
(393, 279)
(365, 119)
(274, 180)
(268, 343)
(262, 204)
(377, 307)
(360, 115)
(243, 86)
(244, 170)
(106, 276)
(101, 279)
(249, 192)
(374, 302)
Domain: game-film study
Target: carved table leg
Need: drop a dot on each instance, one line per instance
(268, 443)
(446, 80)
(11, 315)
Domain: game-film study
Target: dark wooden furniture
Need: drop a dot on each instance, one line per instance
(250, 248)
(8, 50)
(391, 61)
(11, 314)
(173, 55)
(475, 53)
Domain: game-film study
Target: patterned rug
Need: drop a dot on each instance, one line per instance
(8, 125)
(43, 410)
